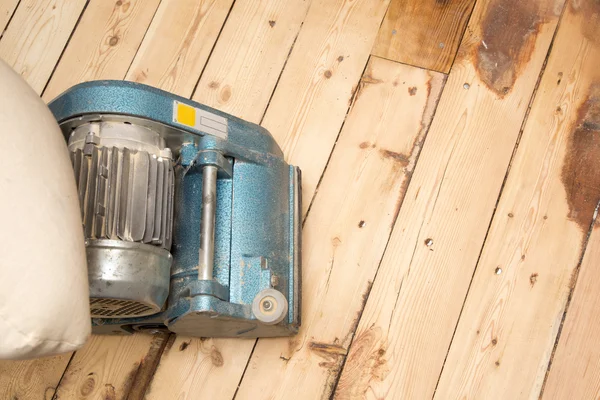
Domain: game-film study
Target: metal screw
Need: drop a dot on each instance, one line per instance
(466, 86)
(498, 271)
(429, 242)
(267, 305)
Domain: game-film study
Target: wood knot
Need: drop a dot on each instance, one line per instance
(216, 357)
(113, 41)
(327, 74)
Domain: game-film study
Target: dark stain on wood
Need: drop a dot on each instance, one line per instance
(184, 345)
(533, 279)
(365, 145)
(216, 357)
(213, 85)
(412, 90)
(272, 23)
(559, 80)
(225, 93)
(340, 58)
(398, 157)
(497, 363)
(580, 173)
(494, 341)
(140, 377)
(508, 35)
(109, 392)
(326, 349)
(591, 22)
(88, 386)
(361, 224)
(369, 80)
(366, 363)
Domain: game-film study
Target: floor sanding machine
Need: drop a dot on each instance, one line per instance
(191, 216)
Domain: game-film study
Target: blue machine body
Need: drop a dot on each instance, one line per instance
(257, 229)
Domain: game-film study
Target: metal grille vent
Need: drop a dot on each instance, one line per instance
(104, 307)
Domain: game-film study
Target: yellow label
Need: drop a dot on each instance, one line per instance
(186, 115)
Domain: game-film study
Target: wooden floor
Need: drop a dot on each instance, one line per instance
(451, 165)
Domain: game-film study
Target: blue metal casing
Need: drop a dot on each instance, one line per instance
(257, 232)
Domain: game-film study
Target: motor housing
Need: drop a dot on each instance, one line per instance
(191, 216)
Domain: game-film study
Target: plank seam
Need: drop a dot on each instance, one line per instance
(570, 297)
(62, 376)
(153, 367)
(244, 372)
(517, 142)
(462, 35)
(282, 69)
(142, 41)
(212, 50)
(418, 144)
(10, 19)
(65, 47)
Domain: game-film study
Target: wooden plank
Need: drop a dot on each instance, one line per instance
(108, 366)
(304, 115)
(510, 320)
(104, 43)
(7, 8)
(409, 319)
(311, 100)
(31, 379)
(178, 43)
(423, 33)
(249, 56)
(575, 370)
(37, 35)
(347, 230)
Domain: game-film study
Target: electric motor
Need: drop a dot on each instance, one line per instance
(125, 180)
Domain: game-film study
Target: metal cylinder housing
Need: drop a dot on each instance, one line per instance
(125, 181)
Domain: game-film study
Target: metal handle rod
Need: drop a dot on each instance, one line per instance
(207, 227)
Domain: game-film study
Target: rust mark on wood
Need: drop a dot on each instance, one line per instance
(590, 26)
(184, 345)
(508, 34)
(141, 375)
(225, 93)
(327, 349)
(580, 173)
(216, 357)
(398, 157)
(109, 392)
(533, 279)
(366, 363)
(368, 79)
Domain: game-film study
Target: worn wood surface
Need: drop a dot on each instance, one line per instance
(423, 33)
(524, 275)
(409, 319)
(299, 68)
